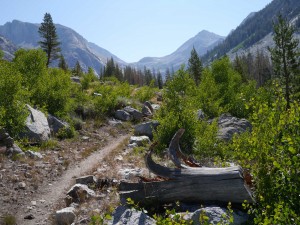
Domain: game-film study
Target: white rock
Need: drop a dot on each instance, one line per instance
(36, 126)
(139, 140)
(65, 216)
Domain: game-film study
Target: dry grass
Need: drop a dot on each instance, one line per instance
(88, 151)
(8, 219)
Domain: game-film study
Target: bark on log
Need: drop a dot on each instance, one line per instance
(188, 184)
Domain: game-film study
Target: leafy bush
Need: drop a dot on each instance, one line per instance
(32, 65)
(12, 107)
(53, 92)
(271, 152)
(221, 90)
(48, 88)
(108, 102)
(178, 111)
(66, 133)
(208, 98)
(145, 93)
(206, 146)
(88, 78)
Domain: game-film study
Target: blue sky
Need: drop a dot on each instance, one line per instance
(132, 29)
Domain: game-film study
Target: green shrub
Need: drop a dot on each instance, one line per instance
(206, 146)
(48, 88)
(66, 133)
(12, 99)
(53, 92)
(145, 93)
(32, 65)
(178, 111)
(271, 152)
(87, 79)
(208, 98)
(108, 102)
(9, 220)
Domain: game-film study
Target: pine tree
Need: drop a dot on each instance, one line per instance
(159, 80)
(285, 57)
(62, 63)
(195, 66)
(77, 71)
(168, 75)
(49, 42)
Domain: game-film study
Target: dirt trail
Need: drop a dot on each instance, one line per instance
(49, 196)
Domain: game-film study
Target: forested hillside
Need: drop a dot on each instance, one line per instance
(256, 27)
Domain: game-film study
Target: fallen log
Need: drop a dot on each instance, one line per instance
(188, 184)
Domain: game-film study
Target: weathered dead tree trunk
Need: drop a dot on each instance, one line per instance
(188, 184)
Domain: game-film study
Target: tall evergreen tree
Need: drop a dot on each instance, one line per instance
(168, 75)
(159, 80)
(77, 71)
(110, 68)
(49, 42)
(62, 63)
(285, 57)
(195, 66)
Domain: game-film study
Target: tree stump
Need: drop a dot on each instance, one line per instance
(190, 184)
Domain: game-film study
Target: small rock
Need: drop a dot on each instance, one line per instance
(200, 114)
(130, 173)
(22, 185)
(90, 179)
(119, 158)
(29, 217)
(136, 115)
(65, 216)
(14, 150)
(155, 107)
(33, 155)
(124, 215)
(216, 215)
(115, 123)
(85, 138)
(146, 129)
(28, 175)
(80, 192)
(56, 124)
(133, 145)
(146, 111)
(122, 115)
(68, 200)
(139, 140)
(33, 203)
(9, 141)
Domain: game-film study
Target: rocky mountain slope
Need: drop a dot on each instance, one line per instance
(74, 46)
(255, 31)
(202, 42)
(8, 48)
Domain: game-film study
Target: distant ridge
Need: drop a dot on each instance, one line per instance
(74, 46)
(255, 30)
(202, 42)
(8, 48)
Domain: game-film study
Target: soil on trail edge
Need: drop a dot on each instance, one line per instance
(51, 195)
